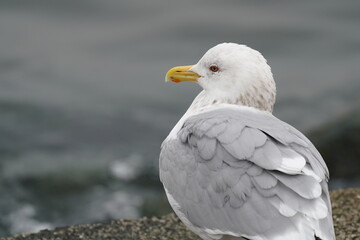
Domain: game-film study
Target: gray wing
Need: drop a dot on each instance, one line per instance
(246, 173)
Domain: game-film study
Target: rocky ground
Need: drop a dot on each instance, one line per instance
(346, 214)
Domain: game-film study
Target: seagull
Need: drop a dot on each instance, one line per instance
(230, 168)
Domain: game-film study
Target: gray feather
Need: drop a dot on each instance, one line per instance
(216, 130)
(265, 180)
(206, 147)
(305, 186)
(267, 156)
(233, 131)
(231, 175)
(311, 207)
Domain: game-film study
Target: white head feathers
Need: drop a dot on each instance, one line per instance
(236, 74)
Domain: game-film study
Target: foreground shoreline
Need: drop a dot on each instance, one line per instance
(346, 215)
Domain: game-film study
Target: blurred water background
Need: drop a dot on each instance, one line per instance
(84, 107)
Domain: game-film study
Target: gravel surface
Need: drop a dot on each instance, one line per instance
(346, 214)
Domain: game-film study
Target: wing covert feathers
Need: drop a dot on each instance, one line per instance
(246, 173)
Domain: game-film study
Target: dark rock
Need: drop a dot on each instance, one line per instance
(346, 215)
(339, 144)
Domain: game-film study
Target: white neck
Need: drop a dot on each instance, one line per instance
(198, 105)
(204, 101)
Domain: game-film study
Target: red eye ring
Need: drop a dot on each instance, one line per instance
(214, 68)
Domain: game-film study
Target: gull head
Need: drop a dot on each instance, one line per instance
(231, 73)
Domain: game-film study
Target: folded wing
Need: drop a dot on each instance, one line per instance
(243, 172)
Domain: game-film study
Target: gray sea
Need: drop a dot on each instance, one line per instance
(84, 107)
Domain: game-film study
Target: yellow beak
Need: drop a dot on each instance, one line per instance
(181, 74)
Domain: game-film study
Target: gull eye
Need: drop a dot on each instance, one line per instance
(214, 68)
